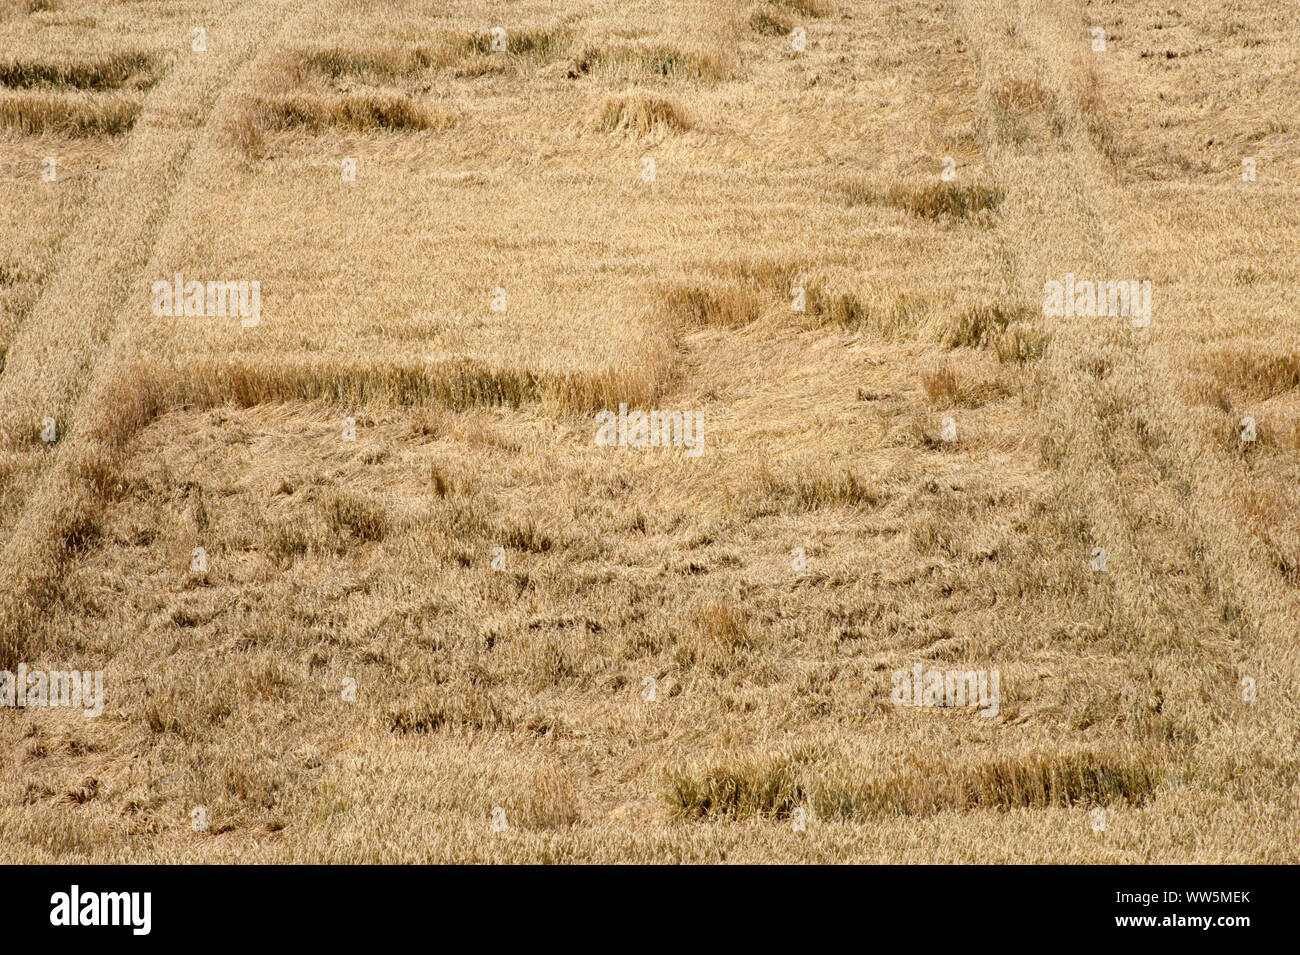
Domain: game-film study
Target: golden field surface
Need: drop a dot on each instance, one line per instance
(437, 621)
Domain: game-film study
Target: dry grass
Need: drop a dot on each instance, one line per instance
(287, 99)
(18, 7)
(775, 785)
(126, 69)
(711, 303)
(641, 114)
(440, 622)
(811, 491)
(933, 200)
(364, 112)
(940, 385)
(1259, 370)
(770, 20)
(71, 96)
(718, 636)
(460, 54)
(626, 60)
(443, 709)
(810, 8)
(35, 113)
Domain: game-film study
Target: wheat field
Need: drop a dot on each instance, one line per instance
(367, 580)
